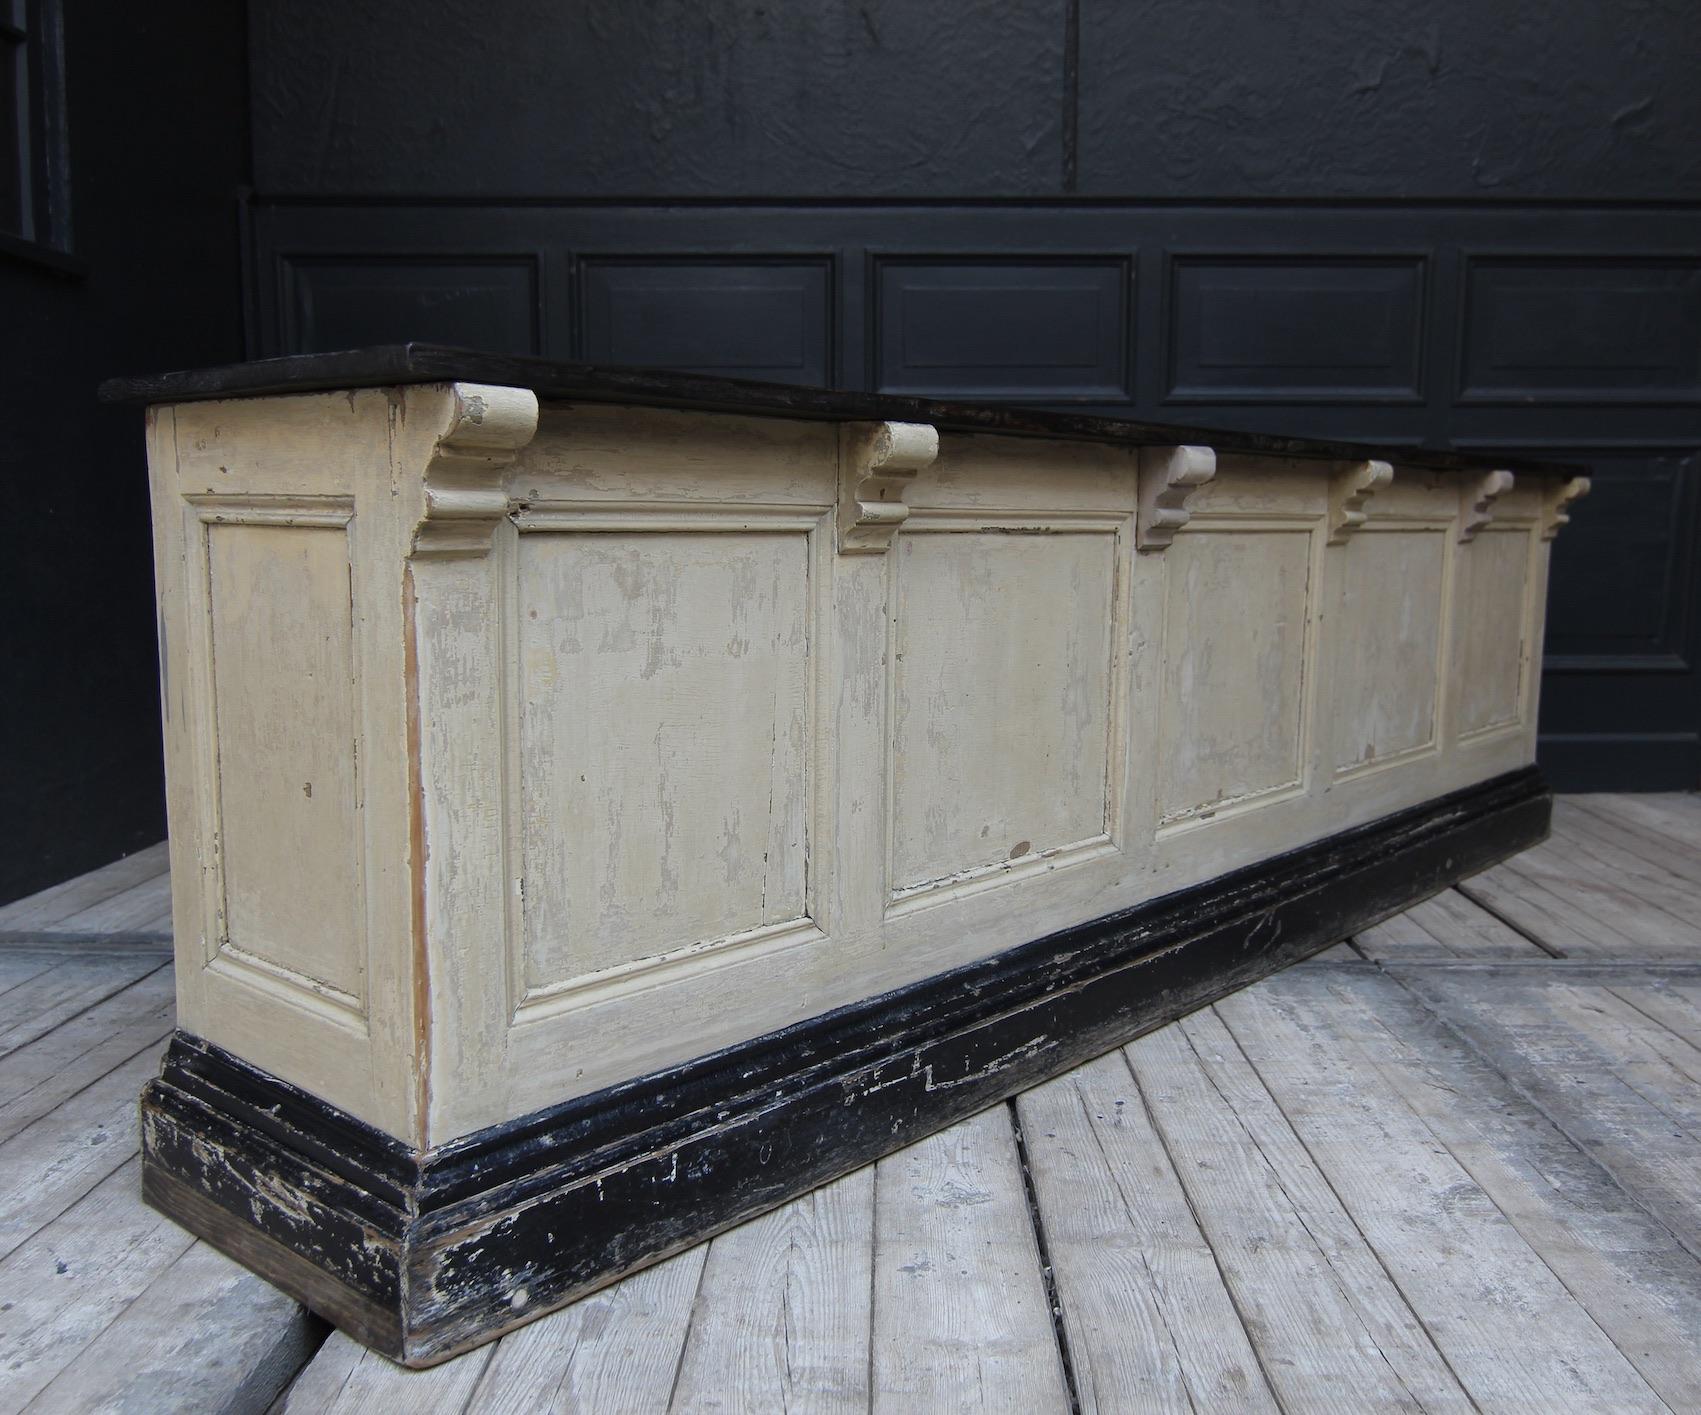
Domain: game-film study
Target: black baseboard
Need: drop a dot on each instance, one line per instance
(1627, 761)
(424, 1254)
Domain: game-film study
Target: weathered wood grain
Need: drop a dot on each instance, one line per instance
(1329, 1325)
(1667, 817)
(1626, 916)
(1150, 1323)
(618, 1349)
(1535, 911)
(782, 1316)
(344, 1378)
(20, 964)
(1619, 1263)
(961, 1317)
(1581, 1082)
(134, 910)
(55, 903)
(1505, 1323)
(69, 1281)
(1449, 925)
(1668, 876)
(205, 1335)
(50, 1164)
(39, 1076)
(78, 982)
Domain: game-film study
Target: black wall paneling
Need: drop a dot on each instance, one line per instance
(1621, 687)
(491, 301)
(769, 319)
(1573, 332)
(1308, 327)
(1582, 330)
(1039, 330)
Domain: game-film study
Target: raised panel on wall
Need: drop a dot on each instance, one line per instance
(1621, 593)
(1385, 621)
(1234, 674)
(1314, 328)
(1581, 330)
(768, 319)
(689, 827)
(479, 302)
(1492, 615)
(1004, 682)
(287, 868)
(1046, 331)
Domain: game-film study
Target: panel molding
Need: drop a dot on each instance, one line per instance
(901, 897)
(294, 318)
(531, 1005)
(223, 956)
(1112, 361)
(1407, 385)
(1444, 528)
(1478, 260)
(1173, 821)
(818, 360)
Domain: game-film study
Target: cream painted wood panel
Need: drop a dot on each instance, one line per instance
(1387, 614)
(281, 642)
(1491, 654)
(634, 733)
(1005, 654)
(664, 723)
(1236, 631)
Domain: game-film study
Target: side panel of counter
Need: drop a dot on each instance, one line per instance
(279, 530)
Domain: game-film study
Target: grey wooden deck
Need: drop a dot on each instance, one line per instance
(1454, 1164)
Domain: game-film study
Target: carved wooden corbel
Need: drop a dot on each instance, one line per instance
(877, 463)
(1556, 498)
(465, 495)
(1478, 498)
(1350, 488)
(1168, 476)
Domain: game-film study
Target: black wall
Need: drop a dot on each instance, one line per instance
(1459, 222)
(1462, 223)
(923, 99)
(157, 98)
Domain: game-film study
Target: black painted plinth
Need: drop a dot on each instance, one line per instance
(424, 1254)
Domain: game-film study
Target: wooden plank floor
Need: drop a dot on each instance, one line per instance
(1454, 1163)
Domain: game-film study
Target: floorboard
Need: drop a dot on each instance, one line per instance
(1447, 1164)
(1150, 1321)
(1505, 1323)
(783, 1313)
(961, 1318)
(1589, 1083)
(59, 901)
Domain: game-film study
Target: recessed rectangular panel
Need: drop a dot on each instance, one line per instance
(1003, 329)
(769, 320)
(283, 695)
(1235, 611)
(1613, 331)
(1001, 702)
(1385, 632)
(662, 756)
(1488, 642)
(1317, 328)
(487, 303)
(1618, 591)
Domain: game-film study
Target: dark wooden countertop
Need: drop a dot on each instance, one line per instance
(552, 381)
